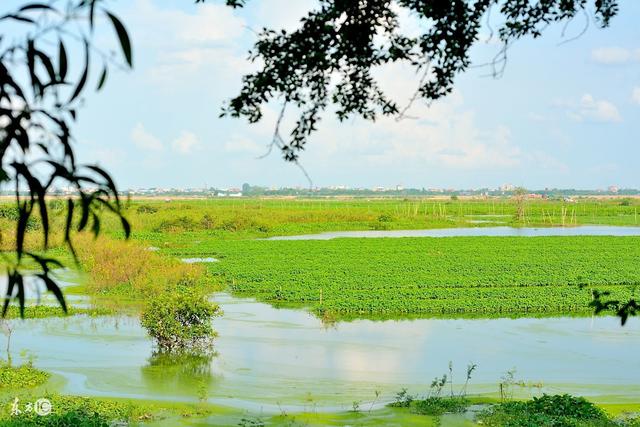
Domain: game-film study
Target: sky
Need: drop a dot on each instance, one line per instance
(563, 115)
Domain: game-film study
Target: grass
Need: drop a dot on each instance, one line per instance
(482, 276)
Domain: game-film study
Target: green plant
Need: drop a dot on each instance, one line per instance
(146, 209)
(180, 319)
(437, 406)
(402, 399)
(23, 376)
(546, 411)
(508, 383)
(385, 218)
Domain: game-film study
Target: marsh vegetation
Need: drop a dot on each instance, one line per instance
(167, 313)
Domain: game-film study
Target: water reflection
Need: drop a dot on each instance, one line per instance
(191, 372)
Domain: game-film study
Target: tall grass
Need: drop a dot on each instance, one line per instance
(131, 270)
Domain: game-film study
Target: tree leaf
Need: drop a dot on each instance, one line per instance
(123, 36)
(102, 79)
(85, 74)
(62, 58)
(54, 289)
(34, 6)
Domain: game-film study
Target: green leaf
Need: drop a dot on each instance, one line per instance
(103, 78)
(123, 36)
(85, 74)
(34, 6)
(55, 289)
(62, 58)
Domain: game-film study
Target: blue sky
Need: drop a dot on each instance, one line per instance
(563, 115)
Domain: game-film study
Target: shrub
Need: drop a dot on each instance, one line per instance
(437, 406)
(207, 222)
(403, 399)
(146, 209)
(180, 319)
(385, 218)
(181, 223)
(546, 411)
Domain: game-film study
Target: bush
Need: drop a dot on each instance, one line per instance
(546, 411)
(385, 218)
(403, 399)
(437, 406)
(180, 319)
(146, 209)
(181, 223)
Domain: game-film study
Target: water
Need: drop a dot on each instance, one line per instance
(35, 289)
(585, 230)
(198, 260)
(270, 358)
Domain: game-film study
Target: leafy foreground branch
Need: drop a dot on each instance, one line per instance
(333, 56)
(39, 99)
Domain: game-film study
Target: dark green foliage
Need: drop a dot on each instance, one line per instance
(623, 309)
(146, 209)
(385, 218)
(39, 101)
(331, 57)
(181, 223)
(180, 318)
(546, 411)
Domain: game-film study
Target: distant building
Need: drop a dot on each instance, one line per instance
(613, 189)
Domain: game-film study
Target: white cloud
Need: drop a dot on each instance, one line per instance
(614, 55)
(204, 38)
(186, 143)
(145, 140)
(244, 145)
(206, 24)
(591, 109)
(635, 95)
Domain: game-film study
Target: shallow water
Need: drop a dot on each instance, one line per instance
(35, 289)
(270, 358)
(198, 260)
(585, 230)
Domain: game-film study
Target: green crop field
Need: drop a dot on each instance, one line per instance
(482, 276)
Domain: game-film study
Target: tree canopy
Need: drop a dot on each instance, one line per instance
(329, 59)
